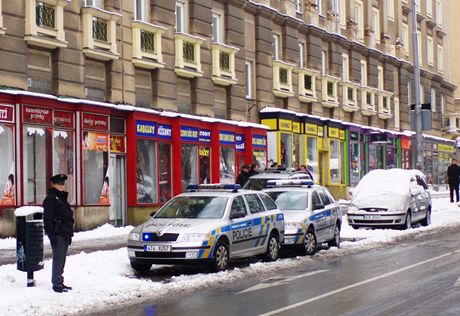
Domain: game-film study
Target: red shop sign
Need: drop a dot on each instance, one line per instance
(37, 115)
(63, 119)
(6, 113)
(95, 121)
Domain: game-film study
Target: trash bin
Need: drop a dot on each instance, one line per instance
(29, 240)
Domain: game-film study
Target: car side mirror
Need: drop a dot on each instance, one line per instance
(235, 215)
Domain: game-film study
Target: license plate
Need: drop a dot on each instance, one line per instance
(157, 248)
(371, 217)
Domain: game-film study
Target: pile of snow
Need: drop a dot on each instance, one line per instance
(104, 279)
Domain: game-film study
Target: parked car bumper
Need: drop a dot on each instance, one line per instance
(376, 219)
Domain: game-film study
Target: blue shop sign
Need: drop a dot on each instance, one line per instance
(227, 138)
(146, 129)
(189, 133)
(165, 131)
(205, 136)
(259, 141)
(240, 140)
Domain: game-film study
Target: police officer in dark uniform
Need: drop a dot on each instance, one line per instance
(58, 220)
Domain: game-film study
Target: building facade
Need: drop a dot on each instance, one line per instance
(328, 78)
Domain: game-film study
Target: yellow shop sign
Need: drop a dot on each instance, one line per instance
(311, 129)
(285, 125)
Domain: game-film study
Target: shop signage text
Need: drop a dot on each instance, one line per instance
(226, 138)
(333, 132)
(37, 115)
(296, 127)
(164, 131)
(95, 121)
(204, 152)
(259, 141)
(285, 125)
(117, 144)
(311, 129)
(63, 119)
(6, 113)
(205, 136)
(189, 133)
(240, 140)
(146, 129)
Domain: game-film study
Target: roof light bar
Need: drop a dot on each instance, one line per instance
(279, 183)
(213, 186)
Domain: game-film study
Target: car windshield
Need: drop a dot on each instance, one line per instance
(206, 207)
(255, 184)
(290, 200)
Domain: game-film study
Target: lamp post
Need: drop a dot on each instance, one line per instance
(418, 106)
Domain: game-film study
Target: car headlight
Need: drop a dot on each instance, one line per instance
(352, 209)
(293, 226)
(194, 237)
(134, 236)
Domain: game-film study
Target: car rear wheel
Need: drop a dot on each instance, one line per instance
(309, 246)
(408, 222)
(427, 220)
(335, 242)
(141, 267)
(221, 257)
(273, 248)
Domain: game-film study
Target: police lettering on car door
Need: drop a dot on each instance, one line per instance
(242, 231)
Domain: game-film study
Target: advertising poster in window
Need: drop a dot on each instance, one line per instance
(8, 196)
(95, 141)
(104, 199)
(95, 161)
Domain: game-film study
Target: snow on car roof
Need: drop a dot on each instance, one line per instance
(390, 181)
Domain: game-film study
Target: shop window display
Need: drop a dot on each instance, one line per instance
(260, 157)
(189, 165)
(37, 163)
(355, 163)
(95, 165)
(335, 161)
(7, 172)
(375, 156)
(312, 157)
(205, 165)
(164, 155)
(63, 159)
(286, 150)
(146, 171)
(227, 165)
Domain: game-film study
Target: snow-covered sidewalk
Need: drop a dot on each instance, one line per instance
(104, 278)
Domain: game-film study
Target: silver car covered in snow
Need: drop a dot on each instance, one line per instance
(209, 224)
(390, 198)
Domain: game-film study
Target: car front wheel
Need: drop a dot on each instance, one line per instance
(408, 222)
(427, 220)
(273, 248)
(309, 246)
(221, 257)
(335, 242)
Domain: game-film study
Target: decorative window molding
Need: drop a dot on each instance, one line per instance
(188, 55)
(307, 85)
(330, 91)
(368, 101)
(44, 23)
(147, 50)
(384, 110)
(282, 79)
(99, 33)
(350, 96)
(223, 64)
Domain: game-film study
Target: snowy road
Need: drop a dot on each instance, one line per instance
(104, 279)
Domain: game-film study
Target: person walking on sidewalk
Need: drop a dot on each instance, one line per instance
(243, 176)
(58, 220)
(453, 174)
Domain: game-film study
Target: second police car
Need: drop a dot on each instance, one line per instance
(209, 224)
(311, 214)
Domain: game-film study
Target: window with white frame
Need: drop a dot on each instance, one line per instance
(376, 24)
(433, 99)
(396, 115)
(430, 50)
(380, 77)
(443, 105)
(405, 37)
(181, 17)
(95, 3)
(141, 10)
(335, 6)
(429, 8)
(298, 6)
(420, 46)
(276, 47)
(217, 28)
(345, 67)
(249, 79)
(302, 55)
(440, 58)
(359, 18)
(363, 73)
(390, 4)
(342, 13)
(320, 7)
(324, 63)
(438, 12)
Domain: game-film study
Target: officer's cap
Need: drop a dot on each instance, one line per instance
(58, 178)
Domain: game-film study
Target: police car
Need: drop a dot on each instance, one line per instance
(210, 224)
(312, 216)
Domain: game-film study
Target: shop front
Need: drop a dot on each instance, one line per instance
(313, 139)
(405, 152)
(357, 154)
(337, 161)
